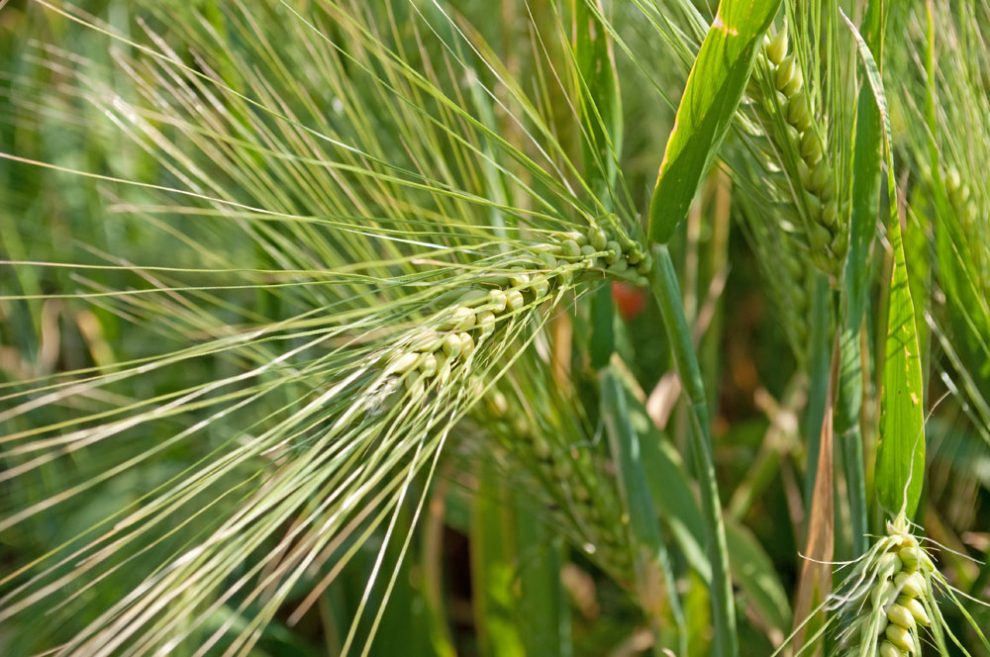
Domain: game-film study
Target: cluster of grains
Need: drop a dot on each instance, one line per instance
(431, 354)
(801, 136)
(575, 484)
(899, 596)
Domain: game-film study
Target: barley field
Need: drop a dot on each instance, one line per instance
(494, 328)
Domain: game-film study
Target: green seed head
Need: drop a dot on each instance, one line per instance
(888, 649)
(882, 593)
(620, 267)
(612, 252)
(540, 286)
(416, 385)
(795, 84)
(811, 148)
(819, 177)
(645, 265)
(461, 319)
(486, 322)
(571, 248)
(917, 610)
(820, 238)
(497, 300)
(467, 343)
(830, 214)
(799, 112)
(900, 615)
(405, 362)
(840, 245)
(900, 637)
(519, 280)
(514, 300)
(452, 345)
(776, 49)
(911, 585)
(911, 556)
(785, 73)
(428, 366)
(597, 238)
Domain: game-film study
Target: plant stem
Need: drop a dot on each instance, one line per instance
(666, 290)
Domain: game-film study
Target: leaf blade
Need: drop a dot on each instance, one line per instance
(900, 466)
(714, 89)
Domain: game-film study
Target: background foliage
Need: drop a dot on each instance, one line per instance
(224, 224)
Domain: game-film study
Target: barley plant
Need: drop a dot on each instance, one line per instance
(369, 327)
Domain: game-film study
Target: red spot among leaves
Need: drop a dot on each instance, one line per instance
(630, 300)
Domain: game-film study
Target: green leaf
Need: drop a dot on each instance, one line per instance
(670, 488)
(900, 468)
(651, 560)
(865, 176)
(708, 105)
(758, 579)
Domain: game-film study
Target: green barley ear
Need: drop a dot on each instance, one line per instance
(790, 114)
(542, 429)
(890, 604)
(889, 597)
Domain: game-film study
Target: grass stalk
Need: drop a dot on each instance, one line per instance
(666, 290)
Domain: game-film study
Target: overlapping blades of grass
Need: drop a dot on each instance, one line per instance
(327, 161)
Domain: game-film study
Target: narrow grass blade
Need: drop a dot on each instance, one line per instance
(707, 108)
(654, 571)
(863, 221)
(667, 292)
(673, 497)
(900, 468)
